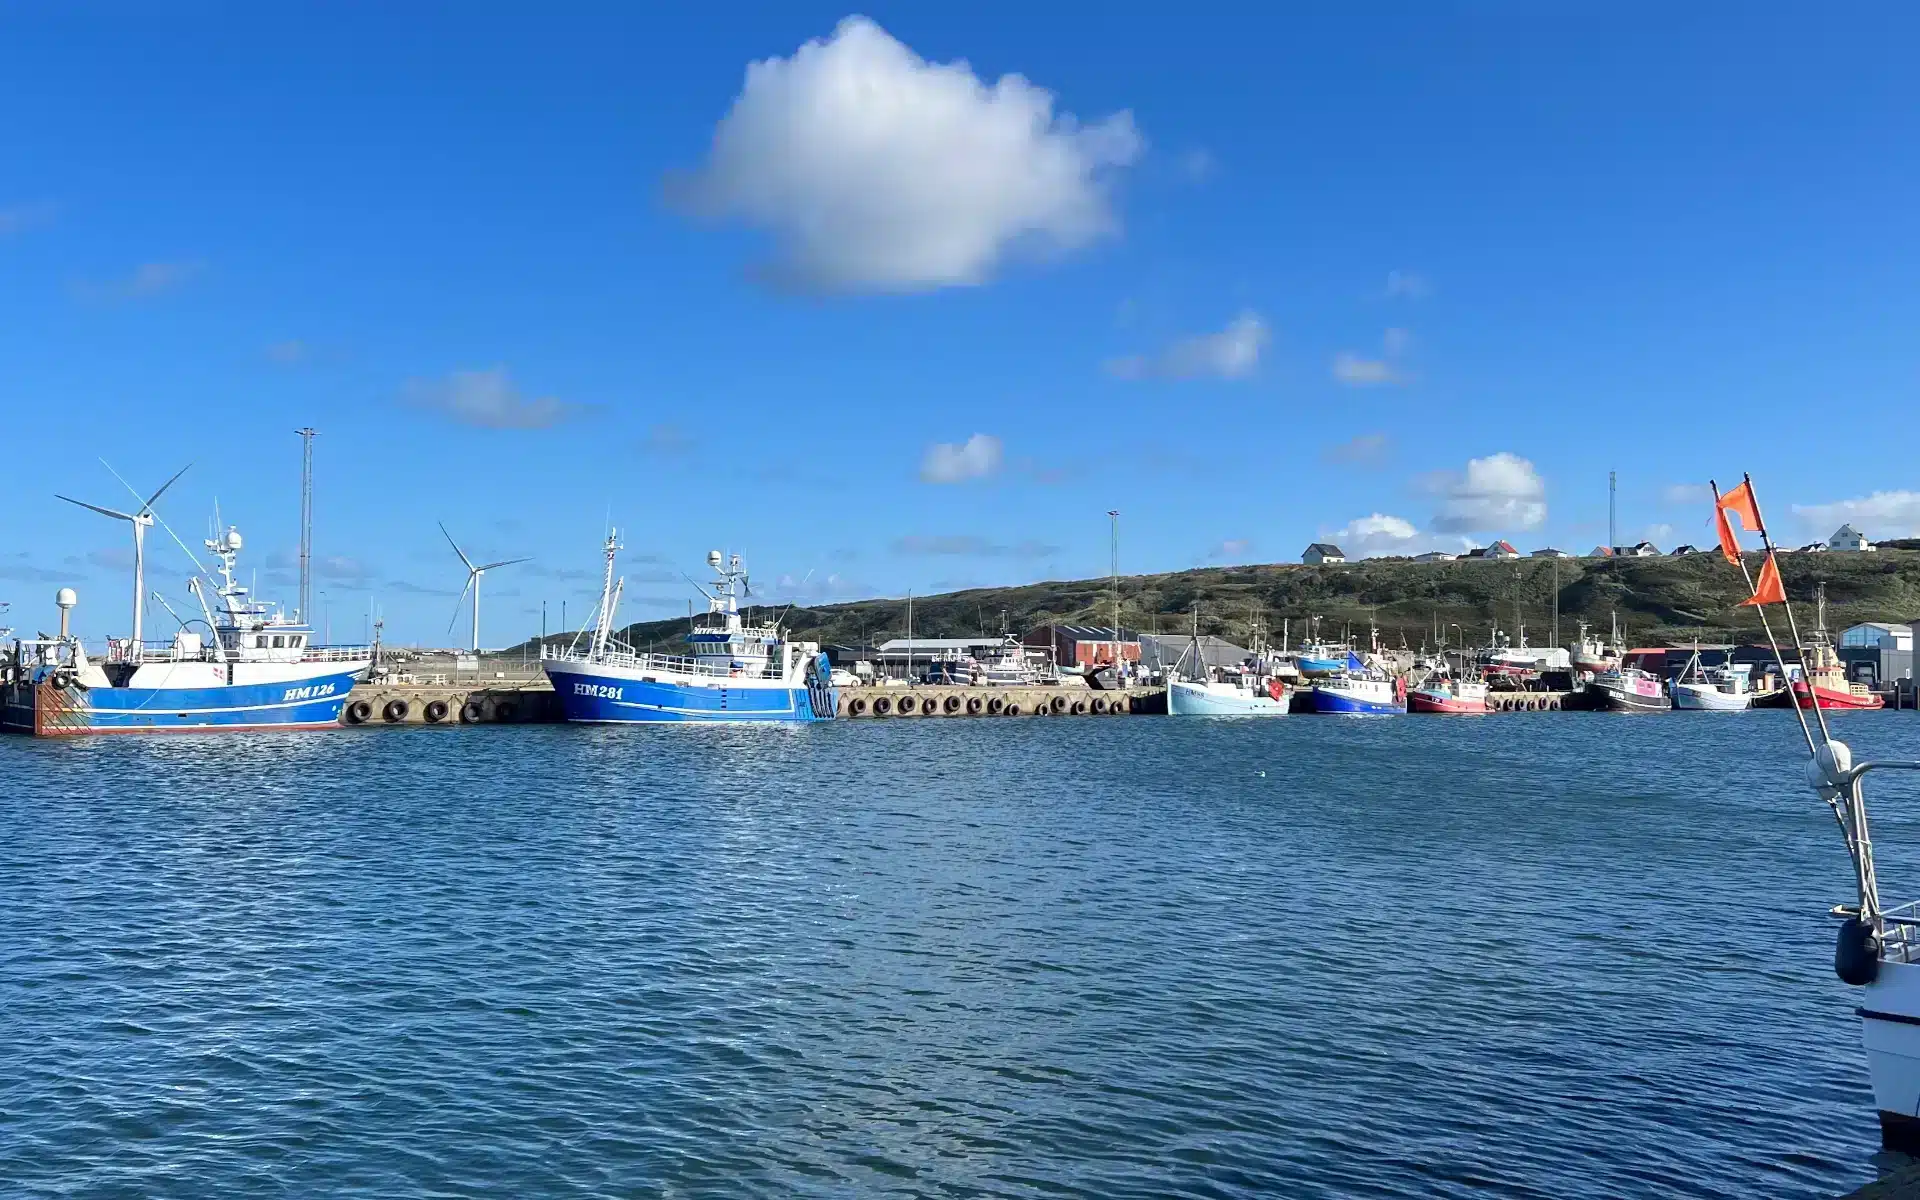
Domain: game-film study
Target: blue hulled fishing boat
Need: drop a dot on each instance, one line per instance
(733, 671)
(247, 667)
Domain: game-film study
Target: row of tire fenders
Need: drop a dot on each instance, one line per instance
(434, 712)
(990, 706)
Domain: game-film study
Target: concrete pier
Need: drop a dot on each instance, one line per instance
(933, 700)
(515, 703)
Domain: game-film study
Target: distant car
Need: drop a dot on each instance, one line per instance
(843, 678)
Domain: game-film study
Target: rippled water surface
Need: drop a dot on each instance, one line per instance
(1554, 955)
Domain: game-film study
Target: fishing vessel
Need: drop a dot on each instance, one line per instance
(1725, 687)
(1629, 689)
(1361, 689)
(1593, 656)
(248, 667)
(734, 671)
(1007, 666)
(1825, 681)
(1443, 692)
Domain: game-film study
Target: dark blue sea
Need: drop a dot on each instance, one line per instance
(1547, 955)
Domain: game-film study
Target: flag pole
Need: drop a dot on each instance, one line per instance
(1768, 626)
(1793, 626)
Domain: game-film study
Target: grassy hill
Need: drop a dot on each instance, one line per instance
(1659, 600)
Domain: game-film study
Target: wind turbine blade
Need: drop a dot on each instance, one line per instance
(455, 545)
(505, 562)
(169, 483)
(457, 603)
(105, 512)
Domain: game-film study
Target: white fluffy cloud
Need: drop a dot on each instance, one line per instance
(1499, 492)
(876, 170)
(1881, 515)
(488, 399)
(1380, 534)
(1233, 353)
(975, 458)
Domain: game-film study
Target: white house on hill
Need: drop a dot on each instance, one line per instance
(1848, 538)
(1321, 553)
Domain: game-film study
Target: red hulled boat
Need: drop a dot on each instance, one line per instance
(1826, 683)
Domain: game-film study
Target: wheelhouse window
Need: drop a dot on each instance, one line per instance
(260, 642)
(279, 642)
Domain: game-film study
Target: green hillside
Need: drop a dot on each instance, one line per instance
(1659, 600)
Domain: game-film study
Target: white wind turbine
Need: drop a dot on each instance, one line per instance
(140, 519)
(473, 584)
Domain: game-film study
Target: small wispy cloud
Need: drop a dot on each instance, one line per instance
(1232, 353)
(969, 545)
(1406, 285)
(488, 399)
(17, 217)
(1366, 449)
(1687, 493)
(1355, 370)
(976, 458)
(666, 441)
(289, 353)
(1230, 550)
(147, 281)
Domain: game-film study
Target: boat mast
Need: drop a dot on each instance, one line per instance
(605, 624)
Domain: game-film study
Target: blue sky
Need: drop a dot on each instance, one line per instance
(1399, 275)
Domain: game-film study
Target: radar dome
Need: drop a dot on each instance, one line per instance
(66, 598)
(233, 538)
(713, 559)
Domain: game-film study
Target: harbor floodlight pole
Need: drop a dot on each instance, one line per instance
(1113, 546)
(306, 524)
(473, 584)
(1613, 534)
(140, 519)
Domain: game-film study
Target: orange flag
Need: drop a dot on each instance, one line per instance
(1769, 590)
(1740, 505)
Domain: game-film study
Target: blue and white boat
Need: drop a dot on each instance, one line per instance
(733, 671)
(1360, 689)
(249, 668)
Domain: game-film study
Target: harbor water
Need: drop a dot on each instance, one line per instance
(1542, 955)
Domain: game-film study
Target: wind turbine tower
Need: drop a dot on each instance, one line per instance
(140, 519)
(473, 584)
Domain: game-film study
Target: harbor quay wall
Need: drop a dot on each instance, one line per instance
(533, 702)
(929, 701)
(383, 703)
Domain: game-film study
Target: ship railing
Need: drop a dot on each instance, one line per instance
(676, 664)
(336, 654)
(1900, 933)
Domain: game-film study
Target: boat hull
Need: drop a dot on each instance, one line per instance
(1700, 697)
(1336, 700)
(1833, 698)
(1620, 700)
(606, 694)
(1890, 1031)
(1185, 699)
(51, 708)
(1444, 702)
